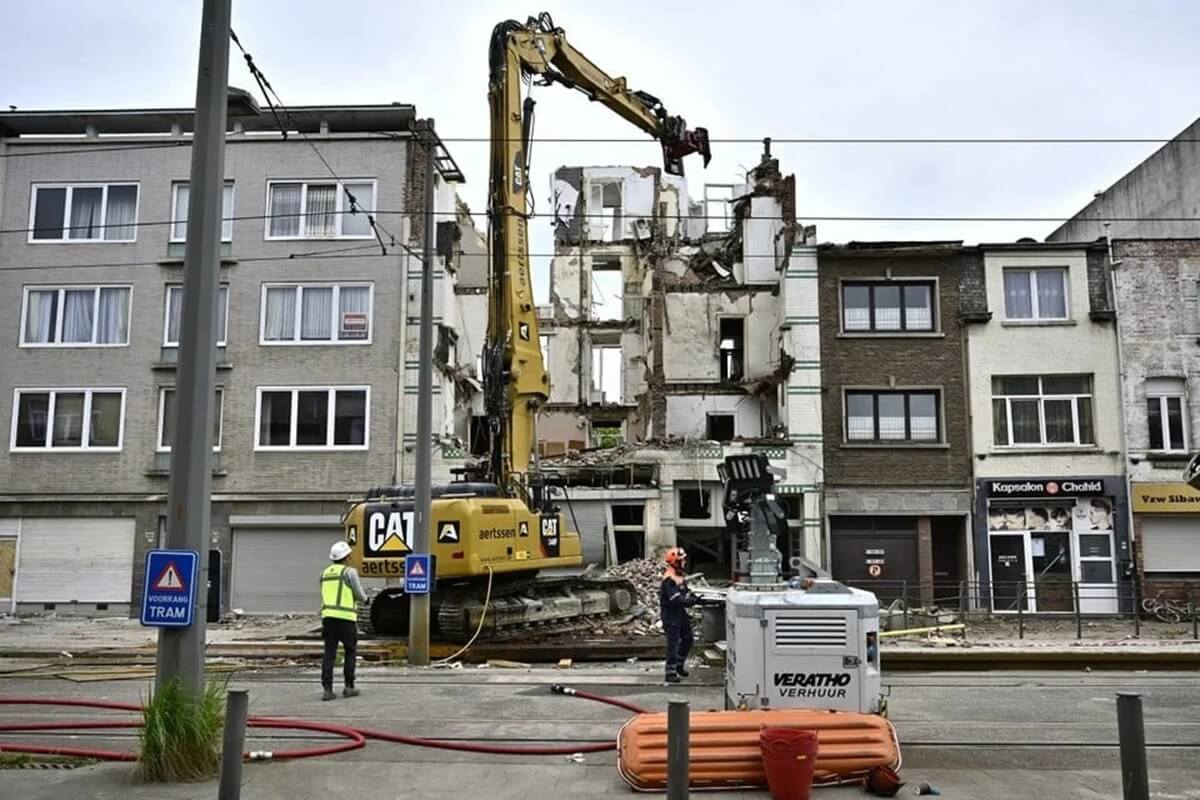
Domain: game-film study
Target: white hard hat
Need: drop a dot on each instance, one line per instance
(339, 551)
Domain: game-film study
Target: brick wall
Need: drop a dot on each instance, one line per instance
(909, 360)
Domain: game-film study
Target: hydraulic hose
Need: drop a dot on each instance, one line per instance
(355, 738)
(482, 616)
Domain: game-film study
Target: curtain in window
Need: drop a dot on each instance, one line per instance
(922, 414)
(354, 300)
(321, 220)
(857, 308)
(887, 308)
(106, 420)
(280, 324)
(1052, 298)
(112, 320)
(227, 213)
(918, 308)
(168, 419)
(350, 418)
(174, 310)
(285, 209)
(77, 316)
(32, 412)
(275, 419)
(121, 213)
(39, 317)
(316, 320)
(85, 212)
(1018, 302)
(1026, 424)
(364, 197)
(68, 421)
(860, 417)
(179, 224)
(1060, 422)
(222, 307)
(891, 416)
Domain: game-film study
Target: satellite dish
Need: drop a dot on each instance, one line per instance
(1191, 473)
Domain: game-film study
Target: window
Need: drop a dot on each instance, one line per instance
(301, 210)
(890, 306)
(166, 420)
(84, 212)
(720, 427)
(606, 433)
(68, 419)
(312, 418)
(1035, 294)
(179, 203)
(1165, 415)
(718, 207)
(75, 316)
(732, 346)
(607, 290)
(174, 315)
(604, 211)
(695, 504)
(543, 340)
(892, 417)
(1046, 410)
(607, 374)
(316, 313)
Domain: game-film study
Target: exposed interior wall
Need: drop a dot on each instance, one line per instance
(687, 415)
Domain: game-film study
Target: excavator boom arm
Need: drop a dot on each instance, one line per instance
(516, 384)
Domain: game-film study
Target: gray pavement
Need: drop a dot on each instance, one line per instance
(973, 735)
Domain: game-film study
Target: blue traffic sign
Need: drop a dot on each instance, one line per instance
(169, 597)
(418, 573)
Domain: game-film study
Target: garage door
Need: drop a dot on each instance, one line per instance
(82, 560)
(1170, 544)
(592, 518)
(275, 569)
(889, 543)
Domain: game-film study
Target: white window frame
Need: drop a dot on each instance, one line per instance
(62, 300)
(295, 390)
(1033, 294)
(226, 213)
(1162, 398)
(335, 328)
(340, 212)
(1042, 397)
(166, 340)
(162, 403)
(71, 187)
(87, 419)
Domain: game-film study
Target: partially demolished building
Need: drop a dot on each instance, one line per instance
(678, 333)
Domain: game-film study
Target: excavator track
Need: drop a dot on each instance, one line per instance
(536, 606)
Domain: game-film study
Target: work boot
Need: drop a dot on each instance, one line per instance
(672, 678)
(350, 691)
(329, 695)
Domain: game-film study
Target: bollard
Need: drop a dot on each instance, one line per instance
(1078, 613)
(236, 704)
(678, 731)
(1135, 777)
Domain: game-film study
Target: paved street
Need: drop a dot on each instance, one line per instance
(974, 735)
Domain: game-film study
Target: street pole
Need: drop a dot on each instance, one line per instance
(678, 737)
(1131, 735)
(418, 609)
(189, 493)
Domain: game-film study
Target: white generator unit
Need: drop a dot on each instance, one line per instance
(813, 644)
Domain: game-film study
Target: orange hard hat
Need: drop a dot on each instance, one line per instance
(675, 555)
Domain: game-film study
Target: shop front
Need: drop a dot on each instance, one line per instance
(1053, 542)
(1166, 521)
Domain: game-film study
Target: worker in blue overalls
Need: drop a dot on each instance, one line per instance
(674, 599)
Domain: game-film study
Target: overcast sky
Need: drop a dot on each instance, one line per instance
(983, 68)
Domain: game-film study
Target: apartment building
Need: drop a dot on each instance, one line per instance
(678, 333)
(317, 344)
(1051, 505)
(898, 496)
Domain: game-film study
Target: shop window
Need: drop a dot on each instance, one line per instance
(732, 345)
(695, 503)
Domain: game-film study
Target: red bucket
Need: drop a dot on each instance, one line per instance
(789, 756)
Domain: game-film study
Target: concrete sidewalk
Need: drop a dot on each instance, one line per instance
(319, 780)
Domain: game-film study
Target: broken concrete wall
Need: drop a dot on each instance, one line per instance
(761, 241)
(687, 414)
(691, 325)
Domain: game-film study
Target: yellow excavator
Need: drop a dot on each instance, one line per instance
(498, 525)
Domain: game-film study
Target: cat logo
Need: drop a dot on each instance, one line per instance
(523, 331)
(550, 535)
(522, 528)
(389, 532)
(448, 532)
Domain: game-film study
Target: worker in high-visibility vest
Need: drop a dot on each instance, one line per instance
(341, 591)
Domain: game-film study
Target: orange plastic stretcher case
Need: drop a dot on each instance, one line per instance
(724, 750)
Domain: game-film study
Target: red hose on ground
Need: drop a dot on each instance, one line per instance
(355, 737)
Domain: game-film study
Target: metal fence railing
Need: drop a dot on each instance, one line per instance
(1170, 607)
